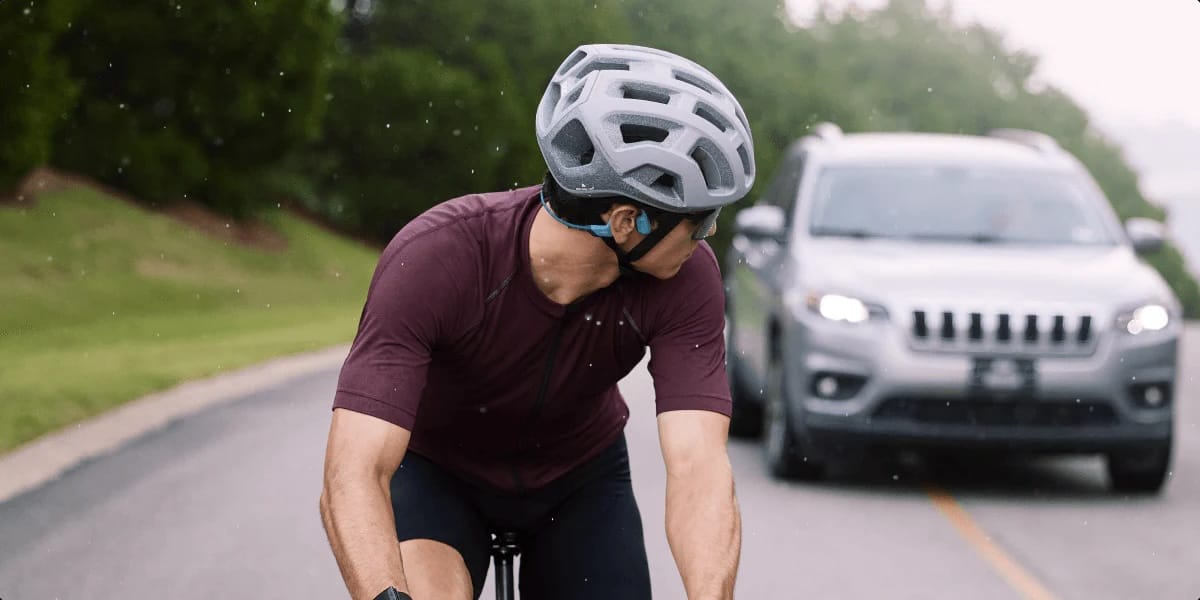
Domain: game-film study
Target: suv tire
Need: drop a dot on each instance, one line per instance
(1142, 470)
(789, 455)
(746, 421)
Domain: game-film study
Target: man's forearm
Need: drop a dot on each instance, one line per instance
(704, 530)
(359, 523)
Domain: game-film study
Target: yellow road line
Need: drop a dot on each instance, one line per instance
(1008, 568)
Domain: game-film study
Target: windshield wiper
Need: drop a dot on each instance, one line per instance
(861, 234)
(978, 238)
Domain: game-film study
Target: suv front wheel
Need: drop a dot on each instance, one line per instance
(747, 418)
(789, 455)
(1141, 470)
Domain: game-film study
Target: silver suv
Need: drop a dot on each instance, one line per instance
(924, 290)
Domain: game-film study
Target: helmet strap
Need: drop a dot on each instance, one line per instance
(666, 223)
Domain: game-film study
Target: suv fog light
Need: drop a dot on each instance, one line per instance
(827, 387)
(1151, 395)
(836, 386)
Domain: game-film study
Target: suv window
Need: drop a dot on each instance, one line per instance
(956, 203)
(786, 185)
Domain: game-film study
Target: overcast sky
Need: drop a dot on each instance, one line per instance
(1125, 61)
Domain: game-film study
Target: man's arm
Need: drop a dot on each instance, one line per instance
(362, 455)
(704, 527)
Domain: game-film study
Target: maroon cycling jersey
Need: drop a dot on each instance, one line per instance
(497, 382)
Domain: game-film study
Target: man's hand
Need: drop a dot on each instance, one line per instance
(704, 527)
(362, 455)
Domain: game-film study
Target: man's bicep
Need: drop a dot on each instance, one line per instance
(691, 438)
(363, 446)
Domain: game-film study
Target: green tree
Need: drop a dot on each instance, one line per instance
(457, 85)
(37, 90)
(195, 100)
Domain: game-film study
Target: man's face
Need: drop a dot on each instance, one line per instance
(665, 259)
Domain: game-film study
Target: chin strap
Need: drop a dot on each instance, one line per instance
(666, 223)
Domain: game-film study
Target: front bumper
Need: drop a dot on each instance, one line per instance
(921, 398)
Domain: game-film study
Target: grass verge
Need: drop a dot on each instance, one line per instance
(103, 301)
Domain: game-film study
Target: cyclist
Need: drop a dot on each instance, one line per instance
(480, 393)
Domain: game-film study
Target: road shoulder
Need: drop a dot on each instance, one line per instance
(46, 458)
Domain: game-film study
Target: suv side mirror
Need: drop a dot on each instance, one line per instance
(761, 222)
(1147, 235)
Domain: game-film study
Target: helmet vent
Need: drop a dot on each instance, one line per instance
(572, 61)
(602, 65)
(553, 95)
(665, 183)
(742, 117)
(573, 145)
(574, 95)
(632, 133)
(704, 112)
(642, 93)
(746, 167)
(693, 81)
(708, 167)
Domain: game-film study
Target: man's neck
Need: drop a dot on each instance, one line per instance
(568, 264)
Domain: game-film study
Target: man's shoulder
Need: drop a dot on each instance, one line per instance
(696, 289)
(457, 220)
(466, 239)
(463, 210)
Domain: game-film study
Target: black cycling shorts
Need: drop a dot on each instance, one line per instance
(580, 535)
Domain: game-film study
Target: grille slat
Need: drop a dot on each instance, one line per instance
(976, 331)
(947, 325)
(1085, 329)
(1031, 329)
(920, 327)
(1004, 330)
(1059, 333)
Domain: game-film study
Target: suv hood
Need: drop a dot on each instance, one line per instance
(919, 272)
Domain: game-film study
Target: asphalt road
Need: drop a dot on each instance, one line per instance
(224, 505)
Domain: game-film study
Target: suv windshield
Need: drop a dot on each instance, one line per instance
(955, 204)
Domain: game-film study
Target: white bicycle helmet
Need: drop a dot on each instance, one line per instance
(648, 125)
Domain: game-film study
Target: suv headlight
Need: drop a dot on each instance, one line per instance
(1148, 317)
(834, 307)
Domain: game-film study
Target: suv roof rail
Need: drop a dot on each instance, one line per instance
(1034, 139)
(827, 131)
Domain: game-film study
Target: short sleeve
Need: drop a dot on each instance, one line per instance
(687, 344)
(413, 303)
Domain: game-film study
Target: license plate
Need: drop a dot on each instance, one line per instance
(1002, 377)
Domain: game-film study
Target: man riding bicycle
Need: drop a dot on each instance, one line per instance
(480, 394)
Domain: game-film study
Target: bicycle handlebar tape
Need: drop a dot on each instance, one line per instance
(392, 594)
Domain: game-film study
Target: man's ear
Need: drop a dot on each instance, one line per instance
(622, 219)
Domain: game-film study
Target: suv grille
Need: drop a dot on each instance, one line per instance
(1021, 332)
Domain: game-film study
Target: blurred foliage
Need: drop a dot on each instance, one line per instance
(417, 101)
(432, 99)
(194, 99)
(36, 90)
